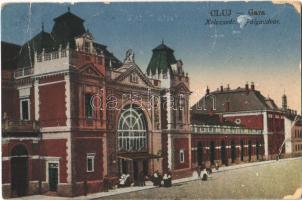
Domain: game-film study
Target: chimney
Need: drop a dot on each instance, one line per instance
(228, 87)
(207, 91)
(221, 88)
(252, 86)
(247, 86)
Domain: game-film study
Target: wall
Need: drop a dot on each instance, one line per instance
(250, 121)
(52, 102)
(181, 143)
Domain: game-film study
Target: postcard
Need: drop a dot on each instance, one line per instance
(151, 100)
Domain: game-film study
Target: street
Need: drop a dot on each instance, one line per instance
(270, 180)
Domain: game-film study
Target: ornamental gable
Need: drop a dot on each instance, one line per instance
(90, 70)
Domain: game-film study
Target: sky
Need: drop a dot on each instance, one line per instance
(213, 55)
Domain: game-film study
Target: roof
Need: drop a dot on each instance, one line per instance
(9, 54)
(163, 47)
(42, 40)
(66, 28)
(236, 100)
(109, 57)
(271, 104)
(161, 60)
(208, 119)
(68, 16)
(291, 114)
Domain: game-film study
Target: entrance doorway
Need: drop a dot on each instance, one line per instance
(223, 153)
(136, 170)
(199, 154)
(53, 174)
(133, 167)
(233, 151)
(19, 170)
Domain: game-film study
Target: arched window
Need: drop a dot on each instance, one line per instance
(132, 130)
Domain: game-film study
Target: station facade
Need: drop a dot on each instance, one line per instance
(75, 115)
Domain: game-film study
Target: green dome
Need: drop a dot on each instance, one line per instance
(161, 60)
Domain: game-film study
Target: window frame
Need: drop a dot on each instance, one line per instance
(181, 155)
(21, 109)
(85, 104)
(90, 156)
(135, 138)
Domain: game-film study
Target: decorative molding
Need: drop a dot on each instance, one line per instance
(51, 83)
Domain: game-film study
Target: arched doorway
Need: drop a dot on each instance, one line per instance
(250, 150)
(233, 151)
(257, 150)
(223, 153)
(242, 149)
(199, 154)
(19, 170)
(132, 139)
(212, 152)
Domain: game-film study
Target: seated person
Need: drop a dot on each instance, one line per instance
(167, 180)
(204, 175)
(124, 181)
(156, 179)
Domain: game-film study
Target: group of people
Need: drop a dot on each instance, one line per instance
(125, 180)
(204, 172)
(157, 179)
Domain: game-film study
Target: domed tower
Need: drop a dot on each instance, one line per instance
(175, 117)
(66, 27)
(174, 83)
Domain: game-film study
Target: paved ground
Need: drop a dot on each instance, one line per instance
(272, 180)
(269, 179)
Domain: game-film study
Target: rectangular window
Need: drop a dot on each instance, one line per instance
(181, 156)
(24, 109)
(90, 162)
(88, 106)
(180, 115)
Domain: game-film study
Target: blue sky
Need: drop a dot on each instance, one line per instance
(269, 55)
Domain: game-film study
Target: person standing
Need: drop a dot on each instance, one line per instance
(198, 169)
(141, 178)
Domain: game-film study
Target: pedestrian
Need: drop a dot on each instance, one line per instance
(141, 178)
(216, 166)
(198, 169)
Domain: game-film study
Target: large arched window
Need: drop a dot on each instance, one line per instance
(132, 130)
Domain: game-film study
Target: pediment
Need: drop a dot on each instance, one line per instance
(181, 88)
(89, 70)
(134, 70)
